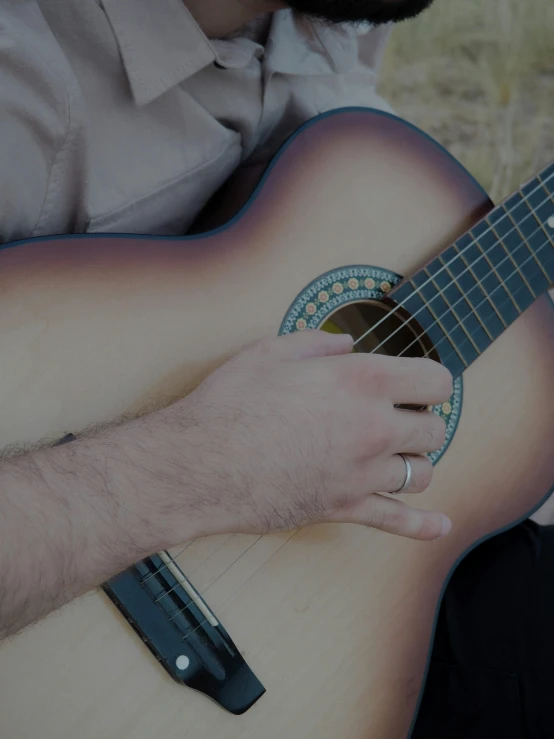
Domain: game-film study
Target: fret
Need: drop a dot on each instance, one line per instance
(523, 223)
(440, 303)
(546, 179)
(533, 227)
(543, 203)
(544, 199)
(488, 285)
(512, 240)
(475, 278)
(483, 259)
(539, 228)
(413, 301)
(445, 315)
(466, 276)
(502, 242)
(471, 292)
(452, 278)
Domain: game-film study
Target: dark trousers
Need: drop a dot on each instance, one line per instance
(491, 674)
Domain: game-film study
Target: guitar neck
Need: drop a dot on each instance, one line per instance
(469, 294)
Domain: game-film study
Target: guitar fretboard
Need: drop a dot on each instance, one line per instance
(468, 295)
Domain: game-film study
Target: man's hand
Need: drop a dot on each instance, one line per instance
(297, 430)
(290, 431)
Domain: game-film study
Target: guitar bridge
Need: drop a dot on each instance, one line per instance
(171, 618)
(186, 638)
(183, 634)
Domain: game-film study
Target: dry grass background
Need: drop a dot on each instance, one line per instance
(478, 75)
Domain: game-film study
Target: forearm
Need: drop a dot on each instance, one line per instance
(71, 517)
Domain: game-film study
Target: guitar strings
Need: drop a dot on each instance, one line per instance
(532, 213)
(478, 283)
(463, 296)
(293, 534)
(218, 610)
(203, 562)
(167, 592)
(444, 338)
(163, 567)
(546, 243)
(174, 558)
(473, 242)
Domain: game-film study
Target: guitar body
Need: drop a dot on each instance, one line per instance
(335, 620)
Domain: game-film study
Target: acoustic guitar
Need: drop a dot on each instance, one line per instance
(361, 223)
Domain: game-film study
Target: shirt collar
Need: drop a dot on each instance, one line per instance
(299, 45)
(161, 45)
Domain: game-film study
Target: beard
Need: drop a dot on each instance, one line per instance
(376, 12)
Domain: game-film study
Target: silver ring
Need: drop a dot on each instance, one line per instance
(409, 474)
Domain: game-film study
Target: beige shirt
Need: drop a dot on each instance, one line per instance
(122, 116)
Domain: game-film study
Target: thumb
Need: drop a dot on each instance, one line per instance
(394, 517)
(305, 345)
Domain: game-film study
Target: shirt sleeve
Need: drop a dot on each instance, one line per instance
(41, 133)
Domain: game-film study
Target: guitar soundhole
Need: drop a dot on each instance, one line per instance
(355, 299)
(381, 329)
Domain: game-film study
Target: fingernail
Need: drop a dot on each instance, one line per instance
(446, 526)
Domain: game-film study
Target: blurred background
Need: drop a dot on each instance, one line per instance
(478, 76)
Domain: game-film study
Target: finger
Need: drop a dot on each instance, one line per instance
(419, 432)
(391, 474)
(395, 517)
(404, 380)
(419, 381)
(303, 345)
